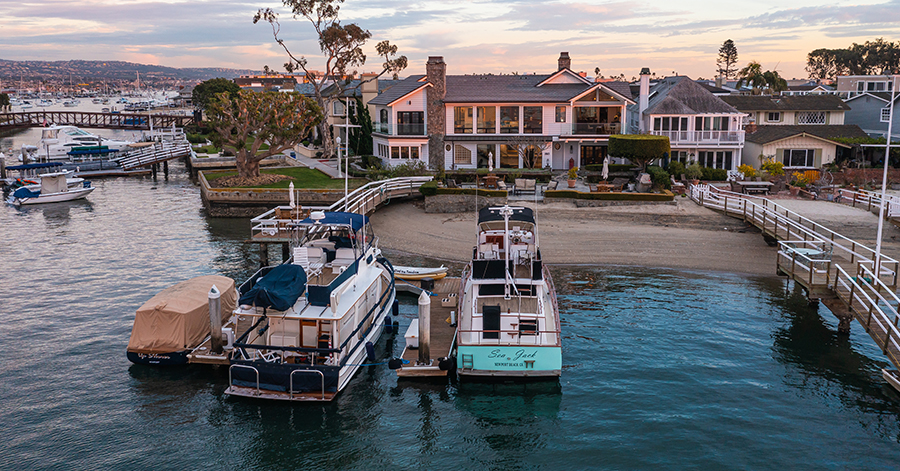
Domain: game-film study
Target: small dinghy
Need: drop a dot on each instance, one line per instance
(417, 273)
(169, 325)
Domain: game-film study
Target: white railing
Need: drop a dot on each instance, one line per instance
(871, 200)
(158, 152)
(703, 137)
(865, 295)
(787, 225)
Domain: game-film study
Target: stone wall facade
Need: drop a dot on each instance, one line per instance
(436, 116)
(460, 203)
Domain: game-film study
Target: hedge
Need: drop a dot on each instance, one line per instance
(664, 196)
(612, 168)
(659, 177)
(714, 174)
(639, 148)
(431, 189)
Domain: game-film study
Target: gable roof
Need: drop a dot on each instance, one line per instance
(768, 134)
(681, 95)
(786, 103)
(883, 96)
(562, 72)
(399, 90)
(521, 89)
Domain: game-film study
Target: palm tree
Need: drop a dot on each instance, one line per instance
(762, 82)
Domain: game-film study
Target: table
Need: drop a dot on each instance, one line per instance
(750, 187)
(602, 188)
(490, 181)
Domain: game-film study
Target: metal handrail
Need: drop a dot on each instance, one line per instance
(891, 331)
(291, 382)
(231, 381)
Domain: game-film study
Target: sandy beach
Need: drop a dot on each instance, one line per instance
(682, 236)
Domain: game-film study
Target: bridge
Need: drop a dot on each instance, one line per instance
(831, 268)
(85, 119)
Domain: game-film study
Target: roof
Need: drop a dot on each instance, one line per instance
(488, 214)
(786, 103)
(767, 134)
(681, 95)
(519, 89)
(307, 89)
(398, 90)
(712, 88)
(883, 96)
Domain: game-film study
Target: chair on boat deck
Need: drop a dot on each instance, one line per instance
(343, 257)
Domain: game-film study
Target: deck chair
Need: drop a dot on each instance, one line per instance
(502, 185)
(551, 185)
(520, 186)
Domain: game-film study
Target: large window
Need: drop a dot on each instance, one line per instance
(670, 123)
(404, 152)
(885, 115)
(532, 117)
(710, 159)
(811, 117)
(487, 119)
(485, 153)
(411, 123)
(711, 123)
(773, 117)
(799, 157)
(462, 156)
(509, 156)
(560, 114)
(509, 120)
(462, 120)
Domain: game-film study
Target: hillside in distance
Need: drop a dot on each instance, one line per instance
(114, 71)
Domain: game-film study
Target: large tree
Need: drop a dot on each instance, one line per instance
(872, 57)
(769, 82)
(342, 47)
(206, 91)
(640, 149)
(726, 62)
(249, 119)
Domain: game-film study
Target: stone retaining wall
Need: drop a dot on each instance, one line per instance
(251, 202)
(459, 203)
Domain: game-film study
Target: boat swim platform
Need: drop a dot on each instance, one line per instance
(443, 335)
(251, 392)
(202, 355)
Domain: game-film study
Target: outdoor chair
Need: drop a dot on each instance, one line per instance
(501, 185)
(618, 183)
(451, 183)
(519, 186)
(550, 186)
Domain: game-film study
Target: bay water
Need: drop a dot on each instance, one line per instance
(661, 368)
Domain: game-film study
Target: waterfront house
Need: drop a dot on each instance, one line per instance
(700, 126)
(871, 112)
(849, 86)
(557, 120)
(812, 110)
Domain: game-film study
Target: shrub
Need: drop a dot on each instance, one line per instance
(413, 168)
(675, 168)
(195, 138)
(573, 173)
(770, 166)
(747, 171)
(640, 149)
(714, 174)
(693, 171)
(429, 188)
(659, 177)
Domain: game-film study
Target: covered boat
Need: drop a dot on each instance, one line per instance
(169, 325)
(54, 188)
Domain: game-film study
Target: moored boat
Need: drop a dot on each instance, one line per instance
(67, 142)
(509, 324)
(313, 321)
(53, 189)
(418, 273)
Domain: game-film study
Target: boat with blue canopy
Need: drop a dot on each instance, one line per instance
(313, 320)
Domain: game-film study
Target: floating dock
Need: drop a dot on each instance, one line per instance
(442, 334)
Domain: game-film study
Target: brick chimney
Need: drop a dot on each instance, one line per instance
(436, 116)
(643, 97)
(564, 61)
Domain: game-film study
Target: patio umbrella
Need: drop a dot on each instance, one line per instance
(291, 191)
(490, 162)
(605, 173)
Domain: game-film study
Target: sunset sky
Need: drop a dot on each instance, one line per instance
(473, 36)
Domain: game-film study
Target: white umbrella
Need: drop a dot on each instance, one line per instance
(291, 191)
(605, 173)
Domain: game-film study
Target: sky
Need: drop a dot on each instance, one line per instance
(484, 36)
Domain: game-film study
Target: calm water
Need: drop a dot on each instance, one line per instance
(661, 369)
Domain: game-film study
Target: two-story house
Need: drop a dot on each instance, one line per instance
(849, 86)
(795, 130)
(557, 120)
(871, 111)
(700, 126)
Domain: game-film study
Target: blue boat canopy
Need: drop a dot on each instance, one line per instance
(355, 221)
(279, 288)
(31, 166)
(26, 193)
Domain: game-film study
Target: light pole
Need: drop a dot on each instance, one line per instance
(887, 155)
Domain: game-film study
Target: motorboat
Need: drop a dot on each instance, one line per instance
(170, 324)
(509, 326)
(34, 183)
(53, 189)
(418, 273)
(308, 325)
(70, 103)
(68, 142)
(28, 154)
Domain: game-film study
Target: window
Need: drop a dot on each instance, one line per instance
(411, 123)
(710, 159)
(509, 156)
(773, 117)
(799, 157)
(462, 120)
(876, 86)
(487, 120)
(509, 120)
(485, 153)
(670, 123)
(339, 108)
(384, 116)
(811, 117)
(462, 156)
(395, 152)
(709, 123)
(860, 86)
(560, 114)
(405, 152)
(885, 115)
(532, 119)
(531, 157)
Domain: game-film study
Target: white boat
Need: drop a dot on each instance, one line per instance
(72, 182)
(70, 103)
(417, 273)
(310, 324)
(54, 189)
(68, 142)
(509, 326)
(26, 105)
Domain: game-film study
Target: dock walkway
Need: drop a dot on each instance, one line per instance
(442, 335)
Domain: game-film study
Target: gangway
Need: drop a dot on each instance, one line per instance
(153, 154)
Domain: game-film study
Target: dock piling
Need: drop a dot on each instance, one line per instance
(263, 255)
(424, 328)
(215, 320)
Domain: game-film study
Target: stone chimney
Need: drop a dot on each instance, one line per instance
(564, 61)
(436, 116)
(720, 81)
(643, 97)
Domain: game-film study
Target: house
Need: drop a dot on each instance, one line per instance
(700, 126)
(849, 86)
(266, 82)
(797, 147)
(365, 88)
(790, 110)
(558, 120)
(871, 112)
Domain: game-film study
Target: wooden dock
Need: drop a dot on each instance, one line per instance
(443, 335)
(84, 119)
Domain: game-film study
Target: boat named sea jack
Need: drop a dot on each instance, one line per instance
(509, 324)
(313, 321)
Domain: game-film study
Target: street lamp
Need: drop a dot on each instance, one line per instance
(887, 156)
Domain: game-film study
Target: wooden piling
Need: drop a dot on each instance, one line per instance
(263, 255)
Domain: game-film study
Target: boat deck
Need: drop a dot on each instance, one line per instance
(201, 353)
(316, 396)
(442, 334)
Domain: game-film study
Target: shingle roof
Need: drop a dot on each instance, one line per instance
(787, 103)
(713, 88)
(517, 89)
(398, 90)
(884, 96)
(681, 95)
(767, 134)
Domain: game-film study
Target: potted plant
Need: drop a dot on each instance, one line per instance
(693, 172)
(573, 175)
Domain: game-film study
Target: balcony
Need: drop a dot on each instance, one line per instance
(401, 129)
(703, 137)
(592, 129)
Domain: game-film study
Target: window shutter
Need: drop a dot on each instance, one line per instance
(817, 161)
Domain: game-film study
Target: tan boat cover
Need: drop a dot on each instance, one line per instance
(177, 318)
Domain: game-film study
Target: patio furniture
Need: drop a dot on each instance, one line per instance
(550, 186)
(755, 187)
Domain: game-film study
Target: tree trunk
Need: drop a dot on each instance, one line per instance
(327, 140)
(247, 167)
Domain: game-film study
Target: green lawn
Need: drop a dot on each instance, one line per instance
(303, 178)
(211, 149)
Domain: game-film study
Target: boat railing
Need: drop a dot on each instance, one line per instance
(381, 304)
(291, 381)
(231, 381)
(514, 332)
